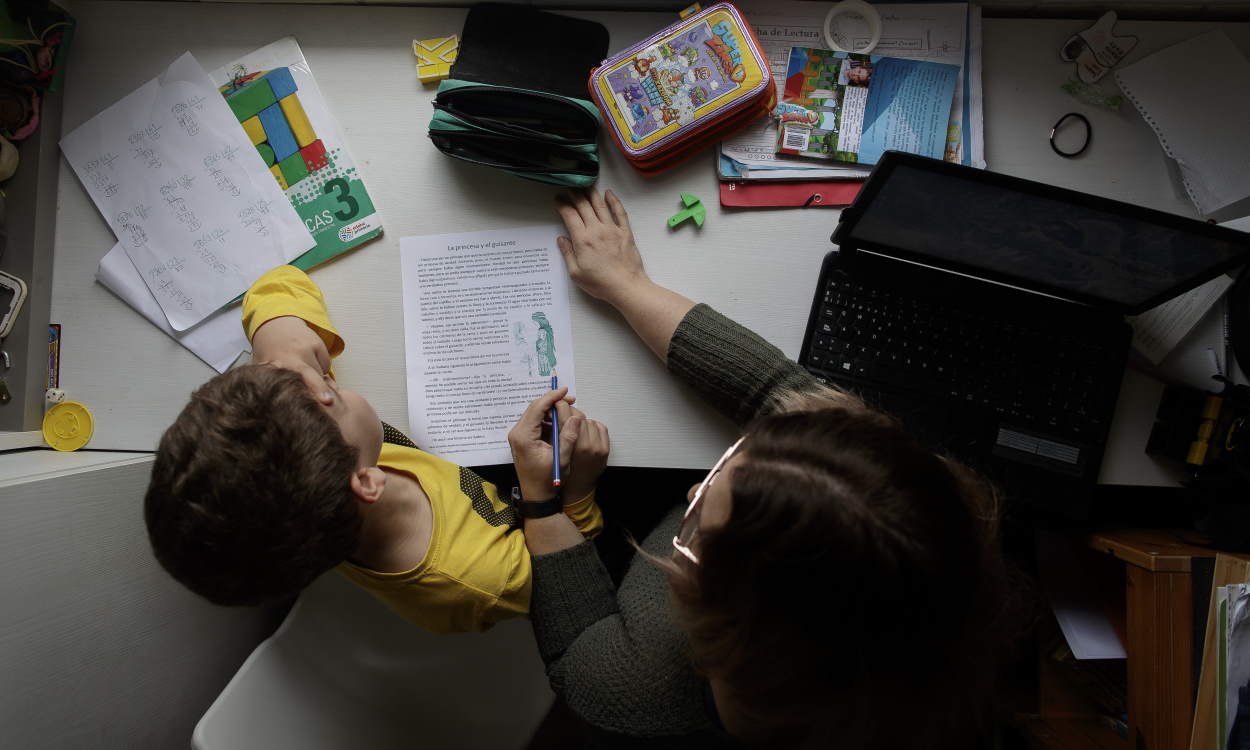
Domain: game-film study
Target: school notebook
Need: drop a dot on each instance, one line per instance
(1196, 97)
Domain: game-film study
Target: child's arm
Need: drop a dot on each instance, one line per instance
(589, 459)
(285, 318)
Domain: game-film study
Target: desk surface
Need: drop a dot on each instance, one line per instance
(758, 267)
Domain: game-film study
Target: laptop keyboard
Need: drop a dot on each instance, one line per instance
(1041, 379)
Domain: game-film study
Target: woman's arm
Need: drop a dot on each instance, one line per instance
(735, 370)
(604, 261)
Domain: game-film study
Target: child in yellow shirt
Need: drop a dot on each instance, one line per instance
(272, 474)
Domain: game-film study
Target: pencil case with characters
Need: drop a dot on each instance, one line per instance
(684, 88)
(515, 99)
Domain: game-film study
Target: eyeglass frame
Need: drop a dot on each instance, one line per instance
(697, 500)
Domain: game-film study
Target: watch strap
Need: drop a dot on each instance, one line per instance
(536, 508)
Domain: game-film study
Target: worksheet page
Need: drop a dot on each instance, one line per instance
(486, 326)
(185, 192)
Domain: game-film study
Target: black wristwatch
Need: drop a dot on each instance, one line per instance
(536, 508)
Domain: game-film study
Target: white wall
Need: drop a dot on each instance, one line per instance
(99, 647)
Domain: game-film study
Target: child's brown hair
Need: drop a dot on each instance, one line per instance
(250, 495)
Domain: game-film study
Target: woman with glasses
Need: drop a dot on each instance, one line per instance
(830, 583)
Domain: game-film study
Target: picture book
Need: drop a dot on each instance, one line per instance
(276, 101)
(853, 108)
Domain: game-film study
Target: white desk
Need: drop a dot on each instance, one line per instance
(758, 267)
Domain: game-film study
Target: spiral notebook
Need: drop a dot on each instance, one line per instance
(1195, 95)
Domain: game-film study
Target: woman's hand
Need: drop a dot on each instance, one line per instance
(288, 342)
(599, 250)
(603, 260)
(531, 454)
(590, 458)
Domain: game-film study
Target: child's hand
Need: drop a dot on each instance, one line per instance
(531, 454)
(590, 458)
(289, 343)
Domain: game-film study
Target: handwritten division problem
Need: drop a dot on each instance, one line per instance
(188, 196)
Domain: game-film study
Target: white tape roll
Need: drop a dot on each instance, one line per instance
(854, 8)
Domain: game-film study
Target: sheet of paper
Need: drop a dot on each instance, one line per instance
(1200, 120)
(927, 32)
(486, 321)
(1158, 330)
(1080, 607)
(188, 196)
(218, 339)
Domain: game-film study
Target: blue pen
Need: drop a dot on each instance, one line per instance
(555, 438)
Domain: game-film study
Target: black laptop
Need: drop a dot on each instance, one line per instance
(987, 312)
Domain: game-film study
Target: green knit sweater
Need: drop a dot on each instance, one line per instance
(618, 656)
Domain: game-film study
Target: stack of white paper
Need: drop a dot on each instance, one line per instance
(196, 211)
(1196, 97)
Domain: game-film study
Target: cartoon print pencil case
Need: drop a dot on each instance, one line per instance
(684, 88)
(515, 99)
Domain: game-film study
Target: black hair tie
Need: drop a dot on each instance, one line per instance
(1089, 131)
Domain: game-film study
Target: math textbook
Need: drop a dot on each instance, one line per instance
(853, 108)
(276, 100)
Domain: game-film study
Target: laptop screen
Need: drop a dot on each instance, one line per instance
(1039, 237)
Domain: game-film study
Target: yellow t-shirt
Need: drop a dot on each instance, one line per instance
(476, 570)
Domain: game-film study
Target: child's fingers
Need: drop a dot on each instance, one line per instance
(570, 434)
(595, 434)
(532, 417)
(604, 438)
(316, 383)
(563, 412)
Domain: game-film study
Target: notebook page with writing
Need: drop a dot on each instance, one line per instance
(1195, 95)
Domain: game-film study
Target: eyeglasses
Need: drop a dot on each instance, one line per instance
(689, 529)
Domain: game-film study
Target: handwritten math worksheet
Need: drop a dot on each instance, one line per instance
(188, 196)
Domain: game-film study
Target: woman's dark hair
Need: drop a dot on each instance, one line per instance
(855, 596)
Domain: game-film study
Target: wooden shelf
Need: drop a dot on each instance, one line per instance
(1069, 733)
(1161, 624)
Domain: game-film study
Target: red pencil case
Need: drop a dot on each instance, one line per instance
(684, 88)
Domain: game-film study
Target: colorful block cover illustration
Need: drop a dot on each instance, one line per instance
(276, 100)
(692, 72)
(851, 107)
